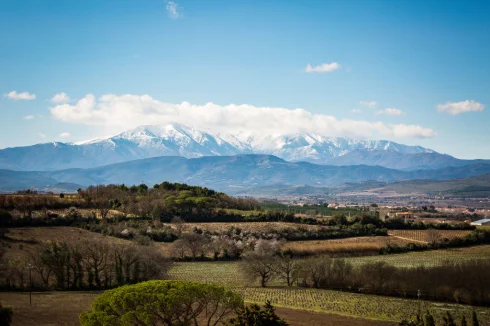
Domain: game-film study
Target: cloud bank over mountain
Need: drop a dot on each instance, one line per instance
(120, 112)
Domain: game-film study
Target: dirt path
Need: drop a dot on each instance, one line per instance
(408, 239)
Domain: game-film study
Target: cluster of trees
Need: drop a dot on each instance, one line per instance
(176, 303)
(87, 265)
(162, 201)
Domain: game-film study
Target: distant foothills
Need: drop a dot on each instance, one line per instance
(234, 163)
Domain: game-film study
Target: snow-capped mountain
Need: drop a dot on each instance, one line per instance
(176, 139)
(179, 140)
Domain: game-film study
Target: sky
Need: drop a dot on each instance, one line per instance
(416, 72)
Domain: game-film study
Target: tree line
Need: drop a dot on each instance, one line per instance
(87, 265)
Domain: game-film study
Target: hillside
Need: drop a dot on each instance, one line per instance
(478, 186)
(401, 161)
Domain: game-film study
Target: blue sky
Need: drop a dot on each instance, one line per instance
(411, 57)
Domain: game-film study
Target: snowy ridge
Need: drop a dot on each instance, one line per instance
(177, 139)
(180, 140)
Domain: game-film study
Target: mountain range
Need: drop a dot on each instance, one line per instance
(179, 140)
(232, 174)
(235, 163)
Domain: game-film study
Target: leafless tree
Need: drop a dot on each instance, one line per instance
(341, 272)
(259, 266)
(287, 268)
(96, 258)
(178, 224)
(195, 243)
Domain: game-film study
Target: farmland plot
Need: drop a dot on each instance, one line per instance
(428, 258)
(428, 235)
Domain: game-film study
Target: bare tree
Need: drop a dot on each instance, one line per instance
(287, 268)
(154, 265)
(259, 266)
(39, 266)
(178, 249)
(341, 272)
(433, 237)
(178, 224)
(96, 258)
(377, 274)
(195, 243)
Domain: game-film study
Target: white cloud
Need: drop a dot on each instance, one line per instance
(173, 9)
(390, 111)
(355, 111)
(369, 104)
(411, 131)
(60, 98)
(41, 135)
(120, 112)
(326, 67)
(13, 95)
(29, 117)
(65, 134)
(455, 108)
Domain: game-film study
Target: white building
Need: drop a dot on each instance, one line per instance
(485, 221)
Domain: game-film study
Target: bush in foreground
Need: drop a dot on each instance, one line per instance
(162, 303)
(5, 316)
